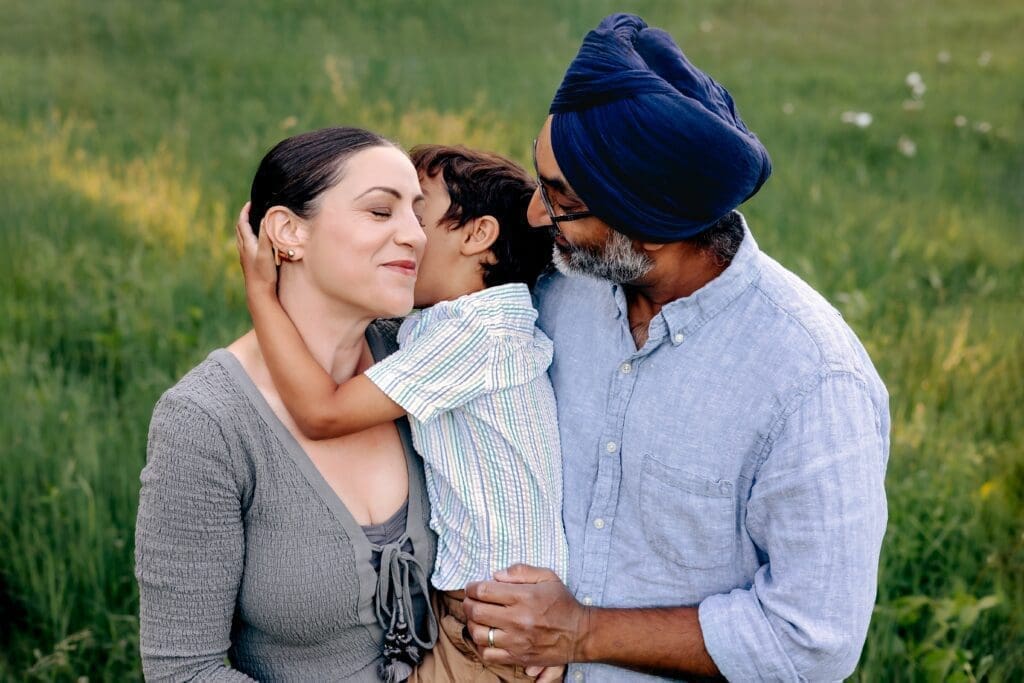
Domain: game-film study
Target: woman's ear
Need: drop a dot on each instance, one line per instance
(479, 235)
(287, 232)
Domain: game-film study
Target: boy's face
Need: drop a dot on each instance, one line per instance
(435, 278)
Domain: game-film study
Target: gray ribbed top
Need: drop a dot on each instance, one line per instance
(242, 548)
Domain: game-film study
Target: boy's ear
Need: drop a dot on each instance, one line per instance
(286, 231)
(479, 235)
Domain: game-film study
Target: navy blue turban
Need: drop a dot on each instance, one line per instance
(651, 143)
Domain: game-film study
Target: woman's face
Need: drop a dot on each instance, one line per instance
(366, 241)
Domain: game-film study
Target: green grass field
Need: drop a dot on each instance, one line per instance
(129, 133)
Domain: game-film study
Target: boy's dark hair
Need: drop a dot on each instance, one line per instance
(486, 184)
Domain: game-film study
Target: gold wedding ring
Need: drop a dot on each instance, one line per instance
(490, 637)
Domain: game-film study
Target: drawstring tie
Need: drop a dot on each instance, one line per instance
(403, 647)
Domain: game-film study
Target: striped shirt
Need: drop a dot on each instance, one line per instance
(472, 375)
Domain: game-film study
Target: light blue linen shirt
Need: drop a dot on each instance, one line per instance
(736, 462)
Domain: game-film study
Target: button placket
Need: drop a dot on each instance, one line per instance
(597, 540)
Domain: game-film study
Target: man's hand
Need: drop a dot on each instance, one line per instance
(536, 620)
(256, 256)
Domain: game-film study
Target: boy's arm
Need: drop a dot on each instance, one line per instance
(321, 408)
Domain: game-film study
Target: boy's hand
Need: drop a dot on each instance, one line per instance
(256, 256)
(546, 674)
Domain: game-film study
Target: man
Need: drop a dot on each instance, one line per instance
(724, 434)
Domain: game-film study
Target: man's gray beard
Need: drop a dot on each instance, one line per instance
(617, 261)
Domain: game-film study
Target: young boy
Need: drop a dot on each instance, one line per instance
(471, 374)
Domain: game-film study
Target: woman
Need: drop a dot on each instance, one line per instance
(257, 549)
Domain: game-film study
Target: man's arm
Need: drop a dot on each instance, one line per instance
(321, 408)
(817, 510)
(538, 621)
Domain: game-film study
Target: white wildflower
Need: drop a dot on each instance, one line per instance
(787, 108)
(906, 146)
(983, 127)
(960, 121)
(706, 26)
(916, 84)
(944, 57)
(861, 119)
(984, 58)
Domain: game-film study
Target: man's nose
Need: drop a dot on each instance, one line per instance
(536, 215)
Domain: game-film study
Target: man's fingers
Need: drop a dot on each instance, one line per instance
(495, 655)
(524, 573)
(481, 636)
(480, 616)
(493, 592)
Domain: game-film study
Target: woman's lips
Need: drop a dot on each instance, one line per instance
(403, 267)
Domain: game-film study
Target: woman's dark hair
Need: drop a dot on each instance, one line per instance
(485, 184)
(300, 168)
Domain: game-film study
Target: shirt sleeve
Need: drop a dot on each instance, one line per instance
(441, 368)
(188, 547)
(818, 512)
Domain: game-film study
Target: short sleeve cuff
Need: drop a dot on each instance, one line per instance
(391, 379)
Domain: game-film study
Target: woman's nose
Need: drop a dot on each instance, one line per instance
(536, 215)
(410, 232)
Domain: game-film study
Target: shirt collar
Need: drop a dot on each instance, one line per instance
(682, 317)
(508, 307)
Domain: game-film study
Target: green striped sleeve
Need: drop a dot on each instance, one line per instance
(443, 368)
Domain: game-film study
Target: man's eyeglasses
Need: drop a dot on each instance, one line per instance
(562, 218)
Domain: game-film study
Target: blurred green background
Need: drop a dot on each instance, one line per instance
(129, 132)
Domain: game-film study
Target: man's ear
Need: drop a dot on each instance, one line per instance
(479, 235)
(287, 232)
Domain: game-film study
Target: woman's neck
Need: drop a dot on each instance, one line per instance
(334, 334)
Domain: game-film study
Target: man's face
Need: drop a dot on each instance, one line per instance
(585, 246)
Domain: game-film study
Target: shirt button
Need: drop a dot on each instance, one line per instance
(611, 446)
(577, 676)
(588, 601)
(626, 368)
(598, 523)
(678, 337)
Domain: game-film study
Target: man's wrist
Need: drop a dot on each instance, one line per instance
(584, 649)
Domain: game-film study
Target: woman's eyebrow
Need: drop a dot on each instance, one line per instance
(391, 191)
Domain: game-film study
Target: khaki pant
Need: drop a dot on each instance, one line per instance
(454, 657)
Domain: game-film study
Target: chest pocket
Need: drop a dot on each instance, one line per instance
(688, 518)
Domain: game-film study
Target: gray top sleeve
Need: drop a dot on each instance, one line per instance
(189, 546)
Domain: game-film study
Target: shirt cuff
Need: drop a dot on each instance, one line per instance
(740, 640)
